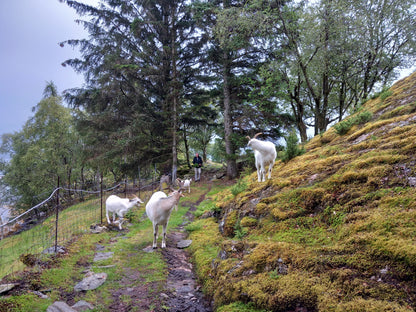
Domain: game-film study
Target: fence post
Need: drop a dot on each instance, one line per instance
(56, 218)
(101, 198)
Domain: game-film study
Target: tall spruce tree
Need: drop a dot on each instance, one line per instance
(138, 62)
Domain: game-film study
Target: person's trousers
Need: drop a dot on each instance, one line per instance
(197, 174)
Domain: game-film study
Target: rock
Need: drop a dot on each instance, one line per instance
(40, 295)
(184, 243)
(282, 268)
(82, 305)
(91, 281)
(60, 306)
(6, 287)
(385, 270)
(412, 181)
(148, 249)
(103, 256)
(96, 229)
(51, 250)
(105, 266)
(222, 255)
(99, 247)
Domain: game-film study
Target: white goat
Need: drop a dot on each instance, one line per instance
(119, 206)
(158, 210)
(185, 183)
(265, 155)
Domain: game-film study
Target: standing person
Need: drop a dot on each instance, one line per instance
(197, 165)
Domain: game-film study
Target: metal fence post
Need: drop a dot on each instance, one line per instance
(101, 198)
(56, 218)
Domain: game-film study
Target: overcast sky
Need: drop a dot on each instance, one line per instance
(30, 55)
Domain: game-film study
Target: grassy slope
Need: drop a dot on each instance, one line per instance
(335, 228)
(129, 267)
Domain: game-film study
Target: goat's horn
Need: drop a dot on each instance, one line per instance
(248, 138)
(257, 134)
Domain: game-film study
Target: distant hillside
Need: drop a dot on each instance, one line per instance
(335, 228)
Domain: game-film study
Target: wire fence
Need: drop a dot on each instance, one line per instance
(44, 228)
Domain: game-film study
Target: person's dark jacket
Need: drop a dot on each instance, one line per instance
(197, 162)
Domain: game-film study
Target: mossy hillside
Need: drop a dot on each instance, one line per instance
(335, 228)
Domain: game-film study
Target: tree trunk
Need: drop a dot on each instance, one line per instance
(175, 94)
(185, 140)
(229, 149)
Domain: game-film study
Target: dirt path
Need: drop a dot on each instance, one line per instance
(185, 293)
(181, 291)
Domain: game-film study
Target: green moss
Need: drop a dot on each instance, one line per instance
(239, 307)
(24, 303)
(248, 222)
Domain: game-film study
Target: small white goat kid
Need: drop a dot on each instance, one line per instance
(265, 155)
(185, 184)
(119, 206)
(158, 209)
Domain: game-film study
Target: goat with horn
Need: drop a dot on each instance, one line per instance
(265, 155)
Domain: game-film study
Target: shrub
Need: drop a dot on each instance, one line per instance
(385, 94)
(344, 126)
(292, 148)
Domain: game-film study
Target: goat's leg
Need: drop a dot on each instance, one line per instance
(120, 222)
(270, 170)
(108, 219)
(164, 235)
(155, 229)
(258, 174)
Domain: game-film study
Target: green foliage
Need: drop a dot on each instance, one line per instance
(344, 126)
(239, 187)
(45, 150)
(384, 95)
(239, 231)
(292, 149)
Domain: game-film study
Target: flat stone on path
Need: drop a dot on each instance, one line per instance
(103, 256)
(148, 249)
(83, 305)
(60, 306)
(91, 281)
(184, 243)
